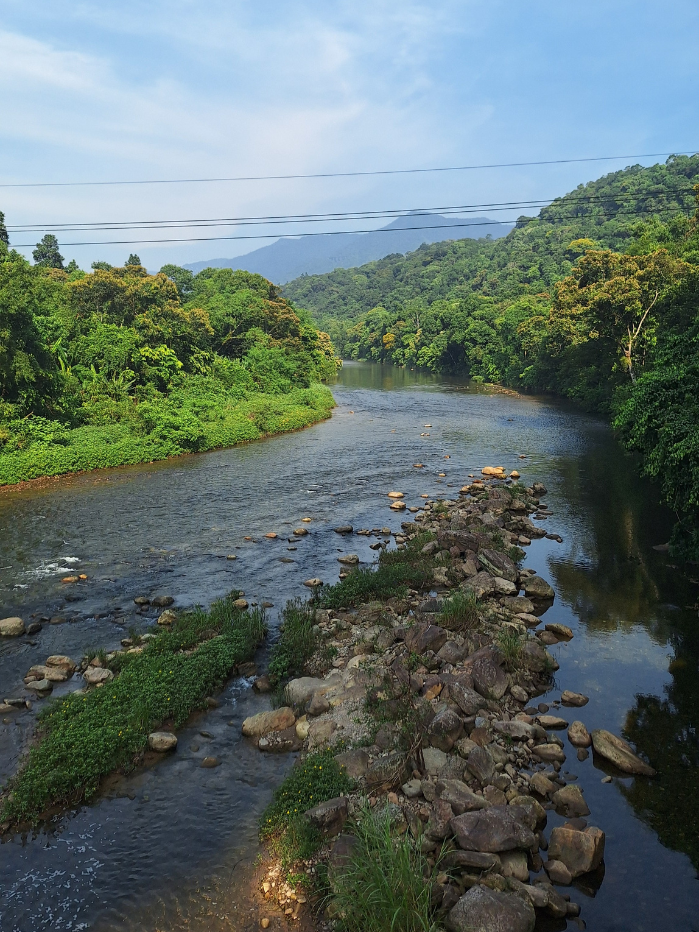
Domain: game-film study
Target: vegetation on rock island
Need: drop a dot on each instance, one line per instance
(119, 366)
(596, 300)
(90, 733)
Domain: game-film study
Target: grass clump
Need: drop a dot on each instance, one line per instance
(395, 572)
(386, 886)
(511, 645)
(297, 641)
(82, 738)
(312, 781)
(459, 612)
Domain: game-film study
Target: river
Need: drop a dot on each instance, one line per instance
(170, 847)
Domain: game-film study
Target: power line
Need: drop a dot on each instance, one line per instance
(351, 174)
(197, 239)
(394, 213)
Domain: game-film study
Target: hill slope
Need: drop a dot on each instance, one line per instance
(528, 261)
(288, 258)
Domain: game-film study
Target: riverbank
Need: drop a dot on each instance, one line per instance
(428, 774)
(183, 428)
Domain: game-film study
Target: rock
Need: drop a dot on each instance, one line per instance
(619, 752)
(477, 860)
(504, 587)
(489, 679)
(300, 531)
(167, 618)
(318, 704)
(397, 506)
(396, 495)
(208, 763)
(493, 471)
(162, 601)
(302, 728)
(412, 789)
(498, 564)
(498, 828)
(241, 604)
(344, 529)
(40, 686)
(574, 699)
(52, 674)
(62, 662)
(162, 741)
(494, 796)
(542, 785)
(485, 910)
(231, 556)
(518, 605)
(521, 695)
(328, 817)
(438, 825)
(424, 637)
(142, 600)
(279, 742)
(256, 726)
(262, 684)
(520, 731)
(561, 631)
(570, 802)
(11, 627)
(313, 583)
(94, 676)
(300, 690)
(349, 559)
(536, 814)
(549, 752)
(434, 760)
(537, 588)
(558, 873)
(552, 721)
(468, 700)
(34, 627)
(481, 765)
(354, 763)
(445, 729)
(531, 621)
(482, 584)
(387, 771)
(514, 864)
(580, 851)
(459, 796)
(579, 736)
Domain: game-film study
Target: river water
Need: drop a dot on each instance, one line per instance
(170, 847)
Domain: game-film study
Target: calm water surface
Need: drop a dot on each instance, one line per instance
(169, 848)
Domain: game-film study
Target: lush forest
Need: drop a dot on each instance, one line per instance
(119, 366)
(596, 299)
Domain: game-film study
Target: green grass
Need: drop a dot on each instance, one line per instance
(313, 780)
(82, 738)
(297, 641)
(395, 572)
(511, 645)
(459, 612)
(386, 886)
(172, 427)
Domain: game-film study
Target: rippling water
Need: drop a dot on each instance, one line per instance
(169, 847)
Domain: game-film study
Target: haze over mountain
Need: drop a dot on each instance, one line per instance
(287, 259)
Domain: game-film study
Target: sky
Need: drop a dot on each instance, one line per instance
(174, 89)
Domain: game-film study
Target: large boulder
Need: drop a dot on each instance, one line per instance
(96, 676)
(486, 910)
(578, 735)
(11, 627)
(468, 700)
(162, 741)
(537, 588)
(499, 828)
(329, 817)
(445, 729)
(570, 802)
(518, 605)
(489, 679)
(256, 726)
(580, 851)
(459, 796)
(481, 765)
(424, 637)
(354, 763)
(619, 752)
(498, 564)
(299, 691)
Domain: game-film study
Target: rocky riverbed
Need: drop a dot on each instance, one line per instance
(429, 702)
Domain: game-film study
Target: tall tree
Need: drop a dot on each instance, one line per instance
(4, 238)
(133, 259)
(47, 254)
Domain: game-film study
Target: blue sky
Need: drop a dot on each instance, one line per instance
(100, 91)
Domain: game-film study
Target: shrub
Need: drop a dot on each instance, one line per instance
(459, 612)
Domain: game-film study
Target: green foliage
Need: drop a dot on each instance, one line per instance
(133, 259)
(313, 780)
(110, 368)
(84, 737)
(47, 254)
(297, 641)
(386, 885)
(459, 612)
(511, 645)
